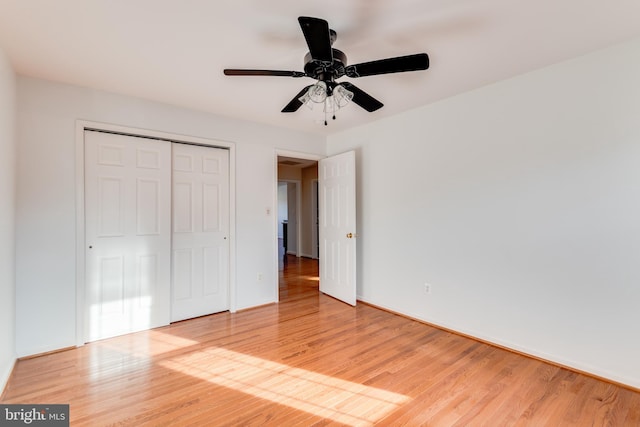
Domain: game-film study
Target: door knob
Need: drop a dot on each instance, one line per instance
(350, 236)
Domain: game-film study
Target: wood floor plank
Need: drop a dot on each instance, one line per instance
(311, 360)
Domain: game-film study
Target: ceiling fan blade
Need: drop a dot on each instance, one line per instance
(419, 61)
(316, 33)
(280, 73)
(295, 103)
(362, 98)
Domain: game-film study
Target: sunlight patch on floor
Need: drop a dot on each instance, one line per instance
(156, 343)
(131, 354)
(160, 343)
(317, 394)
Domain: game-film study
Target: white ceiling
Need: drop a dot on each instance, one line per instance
(174, 51)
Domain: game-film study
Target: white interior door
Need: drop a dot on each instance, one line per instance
(128, 233)
(200, 253)
(337, 202)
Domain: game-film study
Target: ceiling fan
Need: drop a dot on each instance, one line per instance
(326, 64)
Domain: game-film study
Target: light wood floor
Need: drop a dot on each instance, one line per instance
(311, 360)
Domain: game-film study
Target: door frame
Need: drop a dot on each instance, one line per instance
(81, 126)
(315, 220)
(295, 155)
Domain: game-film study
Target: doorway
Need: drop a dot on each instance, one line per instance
(297, 216)
(337, 228)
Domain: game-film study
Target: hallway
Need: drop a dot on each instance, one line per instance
(298, 278)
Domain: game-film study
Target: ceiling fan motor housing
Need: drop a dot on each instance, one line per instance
(324, 70)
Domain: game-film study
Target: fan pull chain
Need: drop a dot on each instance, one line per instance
(326, 107)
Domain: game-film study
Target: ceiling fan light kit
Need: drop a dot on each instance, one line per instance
(331, 100)
(327, 64)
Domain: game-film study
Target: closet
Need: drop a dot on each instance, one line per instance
(156, 232)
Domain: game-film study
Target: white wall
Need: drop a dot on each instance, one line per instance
(309, 175)
(293, 200)
(520, 204)
(45, 268)
(7, 219)
(283, 212)
(304, 177)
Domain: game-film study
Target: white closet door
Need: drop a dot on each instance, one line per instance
(128, 233)
(200, 253)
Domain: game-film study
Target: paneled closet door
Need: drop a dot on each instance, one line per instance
(128, 233)
(200, 248)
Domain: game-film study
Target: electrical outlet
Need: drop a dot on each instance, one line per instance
(259, 277)
(427, 288)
